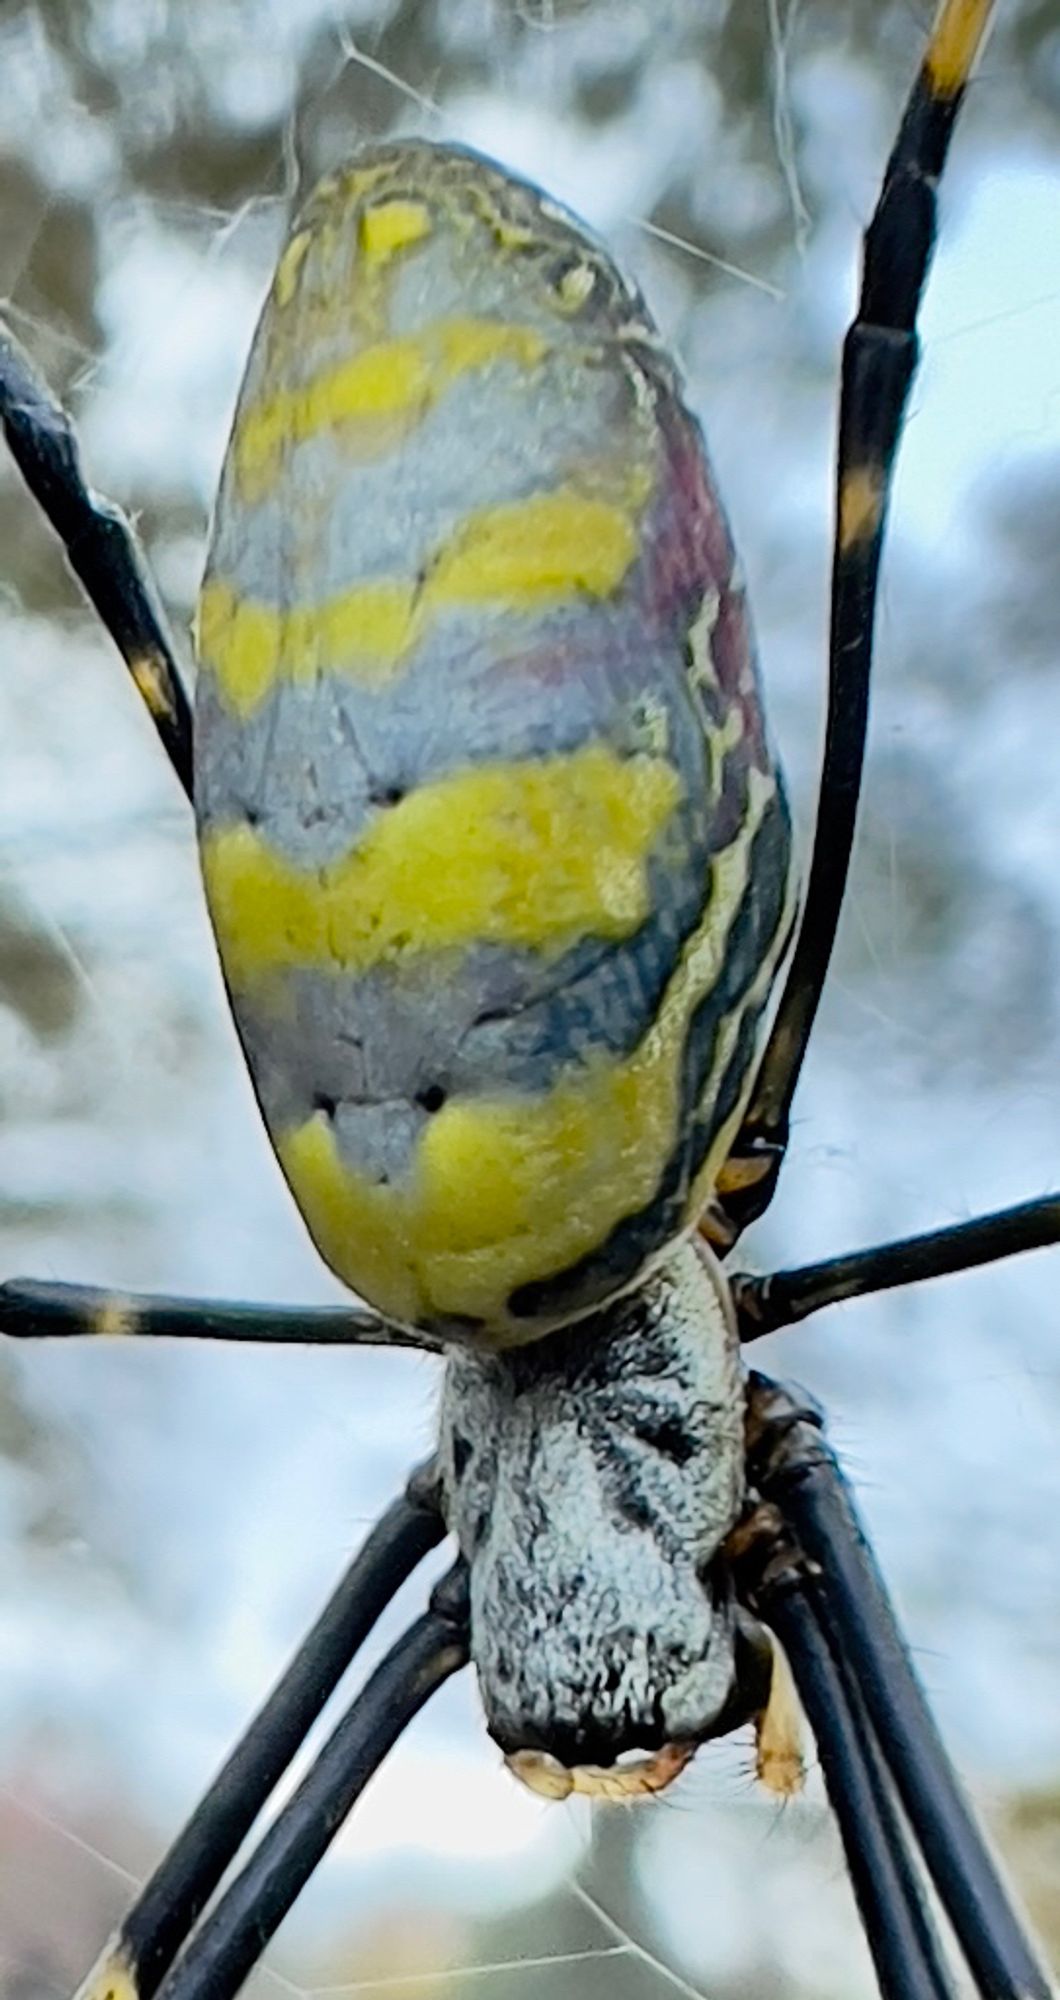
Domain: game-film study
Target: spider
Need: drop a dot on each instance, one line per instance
(533, 1156)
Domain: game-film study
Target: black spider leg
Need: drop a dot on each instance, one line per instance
(231, 1939)
(136, 1959)
(765, 1304)
(778, 1582)
(879, 360)
(34, 1310)
(105, 555)
(100, 544)
(792, 1466)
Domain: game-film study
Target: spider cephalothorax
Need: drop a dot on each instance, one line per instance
(591, 1480)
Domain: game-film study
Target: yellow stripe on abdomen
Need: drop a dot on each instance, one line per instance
(389, 226)
(504, 1191)
(536, 854)
(361, 397)
(548, 545)
(366, 633)
(501, 1192)
(520, 556)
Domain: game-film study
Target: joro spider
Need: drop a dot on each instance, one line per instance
(499, 864)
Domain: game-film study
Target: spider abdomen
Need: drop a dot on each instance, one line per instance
(495, 852)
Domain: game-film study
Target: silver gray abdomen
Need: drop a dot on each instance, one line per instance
(590, 1480)
(494, 847)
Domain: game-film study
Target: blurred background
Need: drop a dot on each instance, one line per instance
(170, 1521)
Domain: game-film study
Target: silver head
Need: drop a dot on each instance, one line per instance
(590, 1479)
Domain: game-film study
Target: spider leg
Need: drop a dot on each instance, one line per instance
(100, 544)
(792, 1466)
(231, 1939)
(763, 1305)
(138, 1956)
(879, 360)
(32, 1310)
(898, 1928)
